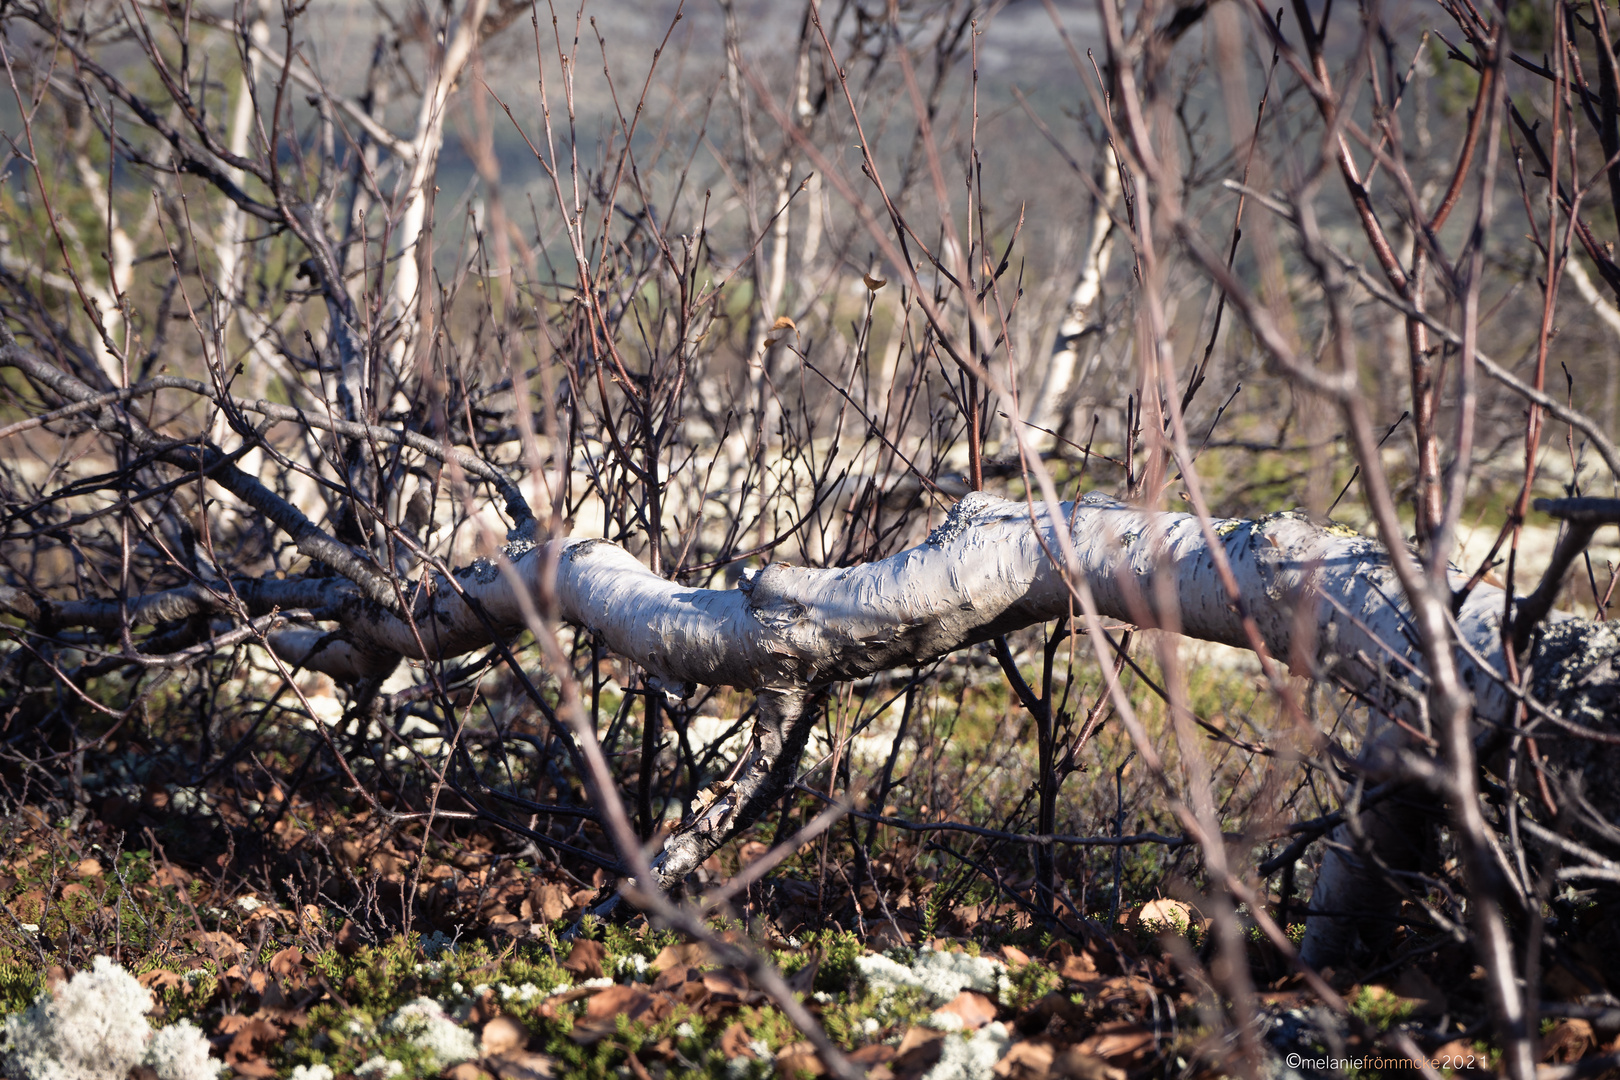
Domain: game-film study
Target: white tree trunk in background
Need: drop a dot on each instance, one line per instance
(1609, 315)
(423, 157)
(1063, 366)
(120, 267)
(235, 230)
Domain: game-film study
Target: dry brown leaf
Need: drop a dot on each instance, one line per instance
(485, 1009)
(1079, 966)
(1054, 1004)
(255, 1068)
(216, 944)
(348, 940)
(388, 864)
(677, 978)
(586, 958)
(251, 1038)
(288, 963)
(520, 1065)
(160, 980)
(873, 282)
(603, 1010)
(1014, 956)
(731, 983)
(502, 1035)
(1569, 1040)
(1118, 1042)
(886, 936)
(876, 1054)
(799, 1059)
(734, 1043)
(168, 875)
(1075, 1064)
(1162, 916)
(780, 329)
(916, 1036)
(681, 956)
(975, 1009)
(550, 901)
(1131, 990)
(552, 1007)
(1028, 1059)
(919, 1051)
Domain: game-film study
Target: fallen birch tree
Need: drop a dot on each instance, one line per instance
(1320, 597)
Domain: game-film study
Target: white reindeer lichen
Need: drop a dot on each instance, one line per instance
(94, 1028)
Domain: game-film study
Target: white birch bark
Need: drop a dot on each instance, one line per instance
(985, 571)
(120, 262)
(1063, 366)
(1324, 599)
(231, 240)
(980, 574)
(422, 158)
(120, 266)
(1609, 315)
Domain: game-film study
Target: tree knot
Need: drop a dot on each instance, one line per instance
(768, 596)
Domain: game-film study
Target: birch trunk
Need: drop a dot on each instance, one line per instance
(233, 237)
(1324, 600)
(460, 40)
(1607, 314)
(1052, 405)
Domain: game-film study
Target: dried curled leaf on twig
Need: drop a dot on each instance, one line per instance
(873, 282)
(780, 329)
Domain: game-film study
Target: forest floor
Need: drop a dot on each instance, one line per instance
(487, 983)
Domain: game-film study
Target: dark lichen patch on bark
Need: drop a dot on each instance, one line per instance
(961, 518)
(575, 552)
(1576, 666)
(1577, 670)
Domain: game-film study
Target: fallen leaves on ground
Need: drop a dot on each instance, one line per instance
(253, 971)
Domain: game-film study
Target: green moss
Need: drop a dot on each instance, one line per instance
(1030, 983)
(1379, 1007)
(20, 983)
